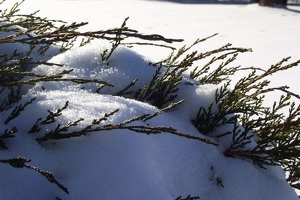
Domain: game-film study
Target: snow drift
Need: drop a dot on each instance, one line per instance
(122, 164)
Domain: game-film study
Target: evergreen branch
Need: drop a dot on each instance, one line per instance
(35, 128)
(130, 44)
(279, 138)
(49, 176)
(20, 162)
(50, 78)
(240, 138)
(102, 119)
(52, 115)
(125, 91)
(187, 198)
(51, 38)
(116, 42)
(163, 86)
(139, 129)
(133, 119)
(160, 111)
(62, 133)
(18, 109)
(6, 135)
(225, 48)
(245, 83)
(283, 89)
(13, 96)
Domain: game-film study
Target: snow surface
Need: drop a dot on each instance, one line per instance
(122, 164)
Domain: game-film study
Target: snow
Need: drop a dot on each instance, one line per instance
(121, 164)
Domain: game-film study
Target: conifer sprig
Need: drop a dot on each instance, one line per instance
(6, 135)
(276, 132)
(20, 162)
(62, 132)
(17, 110)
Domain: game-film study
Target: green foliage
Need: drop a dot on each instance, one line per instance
(39, 34)
(163, 87)
(265, 135)
(98, 125)
(278, 139)
(115, 43)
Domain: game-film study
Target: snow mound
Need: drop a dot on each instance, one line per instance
(122, 164)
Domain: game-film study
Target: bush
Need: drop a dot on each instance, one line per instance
(239, 108)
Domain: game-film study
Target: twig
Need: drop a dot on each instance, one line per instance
(20, 162)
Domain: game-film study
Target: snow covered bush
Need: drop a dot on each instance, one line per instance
(72, 104)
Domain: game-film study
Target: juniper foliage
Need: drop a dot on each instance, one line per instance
(39, 34)
(275, 129)
(239, 107)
